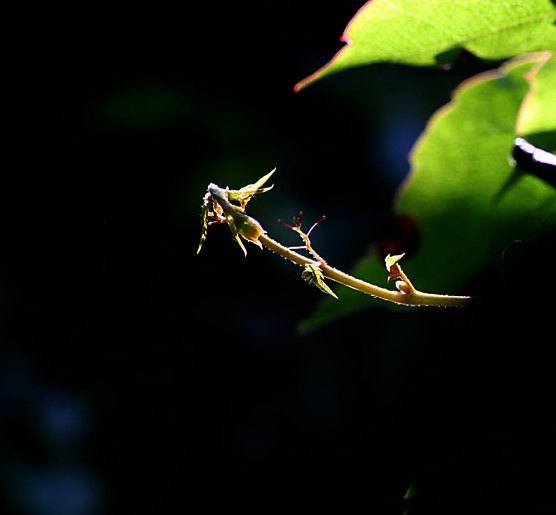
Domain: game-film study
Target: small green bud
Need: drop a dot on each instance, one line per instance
(249, 228)
(246, 227)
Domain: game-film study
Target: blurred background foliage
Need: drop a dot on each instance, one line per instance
(136, 376)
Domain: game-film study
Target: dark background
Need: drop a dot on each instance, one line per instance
(138, 377)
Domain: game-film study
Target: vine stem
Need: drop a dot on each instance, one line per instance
(411, 298)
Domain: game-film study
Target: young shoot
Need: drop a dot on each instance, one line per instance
(223, 205)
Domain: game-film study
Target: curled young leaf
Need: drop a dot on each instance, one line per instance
(313, 275)
(396, 272)
(245, 194)
(390, 261)
(393, 267)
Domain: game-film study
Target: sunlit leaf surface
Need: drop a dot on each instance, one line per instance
(460, 194)
(433, 32)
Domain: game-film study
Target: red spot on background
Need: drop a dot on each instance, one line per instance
(405, 238)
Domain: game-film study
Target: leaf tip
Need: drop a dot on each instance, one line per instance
(392, 260)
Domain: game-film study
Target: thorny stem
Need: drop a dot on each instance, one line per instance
(218, 207)
(412, 298)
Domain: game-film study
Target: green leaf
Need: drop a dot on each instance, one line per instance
(244, 195)
(538, 112)
(456, 192)
(432, 32)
